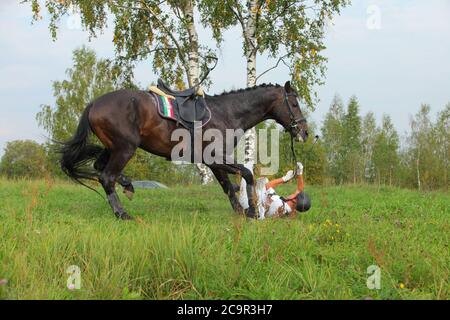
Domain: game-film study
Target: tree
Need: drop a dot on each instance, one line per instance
(385, 151)
(333, 139)
(23, 158)
(352, 140)
(442, 140)
(429, 148)
(290, 30)
(162, 30)
(420, 128)
(368, 135)
(87, 79)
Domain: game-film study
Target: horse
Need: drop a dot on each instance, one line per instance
(125, 120)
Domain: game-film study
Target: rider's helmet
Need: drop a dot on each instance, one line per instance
(303, 202)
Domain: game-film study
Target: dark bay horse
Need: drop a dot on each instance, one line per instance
(125, 120)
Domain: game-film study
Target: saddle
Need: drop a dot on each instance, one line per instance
(190, 105)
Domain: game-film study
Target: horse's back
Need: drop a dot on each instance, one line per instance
(130, 115)
(119, 113)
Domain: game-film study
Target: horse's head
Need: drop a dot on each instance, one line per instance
(286, 111)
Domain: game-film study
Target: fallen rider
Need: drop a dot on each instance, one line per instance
(270, 204)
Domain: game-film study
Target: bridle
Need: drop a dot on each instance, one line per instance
(293, 124)
(294, 121)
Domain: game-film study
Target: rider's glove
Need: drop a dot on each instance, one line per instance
(299, 168)
(289, 175)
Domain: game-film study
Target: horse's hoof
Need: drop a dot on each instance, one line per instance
(129, 194)
(124, 216)
(250, 213)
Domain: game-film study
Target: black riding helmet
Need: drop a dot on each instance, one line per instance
(303, 202)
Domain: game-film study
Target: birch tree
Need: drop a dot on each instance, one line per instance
(385, 151)
(333, 139)
(164, 31)
(291, 31)
(442, 134)
(368, 136)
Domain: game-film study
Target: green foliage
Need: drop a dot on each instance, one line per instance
(333, 137)
(358, 152)
(23, 158)
(88, 79)
(142, 29)
(385, 152)
(368, 136)
(425, 161)
(186, 243)
(352, 142)
(146, 166)
(292, 30)
(311, 154)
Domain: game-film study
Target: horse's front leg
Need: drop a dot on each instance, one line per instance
(247, 175)
(228, 187)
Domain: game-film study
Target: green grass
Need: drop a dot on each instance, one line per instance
(187, 244)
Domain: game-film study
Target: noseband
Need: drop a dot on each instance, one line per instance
(294, 121)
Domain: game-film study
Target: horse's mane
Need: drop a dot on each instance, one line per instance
(263, 85)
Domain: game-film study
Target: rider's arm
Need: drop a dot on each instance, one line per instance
(272, 184)
(300, 186)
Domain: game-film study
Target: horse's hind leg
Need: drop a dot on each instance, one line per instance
(123, 180)
(111, 173)
(128, 188)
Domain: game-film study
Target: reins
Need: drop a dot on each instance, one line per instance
(205, 76)
(293, 124)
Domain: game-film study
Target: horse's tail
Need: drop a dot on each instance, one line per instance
(77, 153)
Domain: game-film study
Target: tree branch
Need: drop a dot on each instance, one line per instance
(149, 10)
(281, 59)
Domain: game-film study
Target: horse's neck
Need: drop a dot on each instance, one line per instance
(243, 110)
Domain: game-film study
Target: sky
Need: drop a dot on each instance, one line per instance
(392, 54)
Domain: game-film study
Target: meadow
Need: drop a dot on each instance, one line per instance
(186, 243)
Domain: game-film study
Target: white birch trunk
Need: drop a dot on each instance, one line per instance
(250, 41)
(249, 33)
(194, 73)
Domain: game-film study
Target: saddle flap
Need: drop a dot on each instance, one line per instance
(191, 110)
(185, 111)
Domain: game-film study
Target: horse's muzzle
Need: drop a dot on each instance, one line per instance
(302, 135)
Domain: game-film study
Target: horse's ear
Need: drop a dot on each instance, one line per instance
(287, 87)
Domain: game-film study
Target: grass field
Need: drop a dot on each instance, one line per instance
(187, 244)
